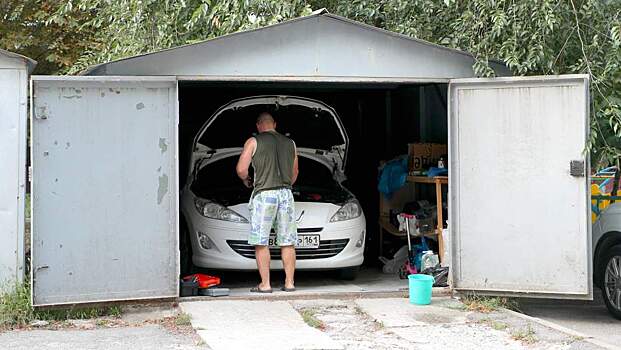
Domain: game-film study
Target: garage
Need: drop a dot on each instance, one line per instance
(115, 153)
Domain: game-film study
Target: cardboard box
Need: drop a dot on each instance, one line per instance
(422, 156)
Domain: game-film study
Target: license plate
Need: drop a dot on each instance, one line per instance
(304, 241)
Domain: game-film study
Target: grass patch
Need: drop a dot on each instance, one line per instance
(183, 319)
(525, 335)
(487, 304)
(309, 317)
(15, 306)
(16, 309)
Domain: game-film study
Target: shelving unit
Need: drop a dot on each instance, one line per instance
(386, 226)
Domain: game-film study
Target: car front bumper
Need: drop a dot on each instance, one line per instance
(223, 236)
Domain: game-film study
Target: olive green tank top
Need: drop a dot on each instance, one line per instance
(273, 161)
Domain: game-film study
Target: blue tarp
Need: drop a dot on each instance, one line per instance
(393, 176)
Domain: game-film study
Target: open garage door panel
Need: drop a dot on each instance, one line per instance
(104, 189)
(519, 201)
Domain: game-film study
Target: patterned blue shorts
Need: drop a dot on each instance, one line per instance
(273, 209)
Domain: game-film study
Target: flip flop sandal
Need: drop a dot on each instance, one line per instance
(285, 289)
(259, 290)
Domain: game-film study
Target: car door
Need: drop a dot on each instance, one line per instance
(104, 189)
(519, 186)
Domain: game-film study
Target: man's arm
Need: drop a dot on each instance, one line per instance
(244, 161)
(296, 171)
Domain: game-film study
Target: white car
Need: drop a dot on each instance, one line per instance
(214, 202)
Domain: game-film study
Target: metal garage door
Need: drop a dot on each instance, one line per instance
(104, 189)
(519, 183)
(13, 85)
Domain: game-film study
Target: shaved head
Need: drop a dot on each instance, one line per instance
(265, 122)
(265, 117)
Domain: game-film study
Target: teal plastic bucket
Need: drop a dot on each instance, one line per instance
(420, 289)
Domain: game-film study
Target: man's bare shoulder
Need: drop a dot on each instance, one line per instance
(250, 142)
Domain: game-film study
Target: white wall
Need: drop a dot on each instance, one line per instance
(13, 109)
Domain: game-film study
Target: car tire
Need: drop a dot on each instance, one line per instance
(610, 269)
(185, 251)
(349, 273)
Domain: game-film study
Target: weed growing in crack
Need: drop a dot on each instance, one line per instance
(485, 304)
(183, 319)
(310, 318)
(526, 336)
(496, 325)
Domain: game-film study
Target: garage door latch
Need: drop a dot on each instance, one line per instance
(576, 168)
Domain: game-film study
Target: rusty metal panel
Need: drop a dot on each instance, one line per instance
(13, 100)
(319, 47)
(105, 205)
(519, 220)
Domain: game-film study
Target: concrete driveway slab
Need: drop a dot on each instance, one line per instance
(457, 336)
(244, 324)
(588, 317)
(135, 338)
(398, 312)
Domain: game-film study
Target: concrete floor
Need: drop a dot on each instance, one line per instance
(588, 317)
(309, 283)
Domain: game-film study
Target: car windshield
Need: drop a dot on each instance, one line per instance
(218, 181)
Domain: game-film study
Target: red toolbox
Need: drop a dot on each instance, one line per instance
(204, 281)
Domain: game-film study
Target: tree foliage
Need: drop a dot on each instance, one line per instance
(56, 46)
(529, 36)
(131, 27)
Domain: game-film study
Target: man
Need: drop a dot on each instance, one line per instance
(275, 162)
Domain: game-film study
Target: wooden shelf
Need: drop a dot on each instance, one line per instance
(427, 179)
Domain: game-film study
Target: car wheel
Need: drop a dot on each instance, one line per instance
(611, 280)
(185, 251)
(349, 273)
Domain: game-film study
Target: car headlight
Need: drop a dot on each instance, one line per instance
(216, 211)
(348, 211)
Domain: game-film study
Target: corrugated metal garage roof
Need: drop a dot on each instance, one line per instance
(318, 46)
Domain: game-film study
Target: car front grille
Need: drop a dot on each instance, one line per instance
(327, 249)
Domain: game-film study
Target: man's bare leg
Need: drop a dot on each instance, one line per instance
(288, 261)
(262, 253)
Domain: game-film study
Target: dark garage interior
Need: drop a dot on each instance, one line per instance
(380, 120)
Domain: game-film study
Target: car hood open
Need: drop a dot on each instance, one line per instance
(314, 126)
